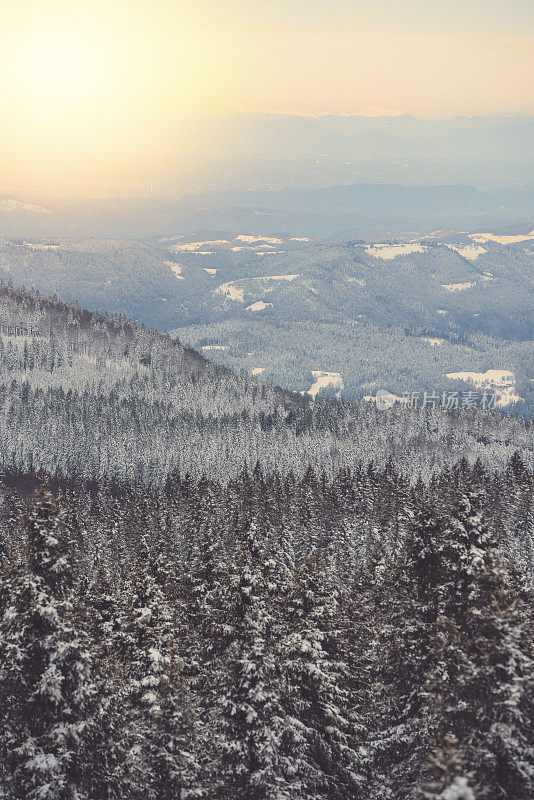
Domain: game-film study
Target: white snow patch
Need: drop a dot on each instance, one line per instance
(210, 271)
(497, 379)
(258, 371)
(243, 237)
(231, 291)
(458, 790)
(208, 347)
(508, 395)
(492, 237)
(176, 268)
(440, 311)
(277, 278)
(195, 246)
(259, 306)
(299, 239)
(359, 281)
(33, 246)
(458, 287)
(237, 293)
(324, 379)
(432, 341)
(492, 377)
(469, 251)
(390, 251)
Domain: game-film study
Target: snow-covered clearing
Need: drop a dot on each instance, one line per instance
(32, 246)
(195, 246)
(501, 380)
(277, 278)
(236, 293)
(432, 341)
(492, 377)
(259, 306)
(390, 251)
(469, 251)
(231, 291)
(458, 287)
(244, 237)
(493, 237)
(176, 268)
(323, 380)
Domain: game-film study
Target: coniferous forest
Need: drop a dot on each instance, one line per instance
(211, 588)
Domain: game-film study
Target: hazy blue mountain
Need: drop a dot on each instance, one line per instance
(399, 316)
(353, 210)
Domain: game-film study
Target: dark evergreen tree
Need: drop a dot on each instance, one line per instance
(321, 748)
(46, 688)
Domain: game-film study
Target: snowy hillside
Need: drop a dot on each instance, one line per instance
(397, 315)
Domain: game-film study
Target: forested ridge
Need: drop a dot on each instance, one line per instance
(212, 588)
(97, 396)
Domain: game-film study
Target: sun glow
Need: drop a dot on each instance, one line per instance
(51, 66)
(108, 91)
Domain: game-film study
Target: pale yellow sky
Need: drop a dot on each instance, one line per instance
(103, 87)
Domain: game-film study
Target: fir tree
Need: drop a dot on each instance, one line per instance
(320, 746)
(45, 679)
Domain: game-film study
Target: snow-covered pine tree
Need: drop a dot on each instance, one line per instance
(157, 712)
(405, 653)
(485, 682)
(321, 754)
(248, 707)
(46, 688)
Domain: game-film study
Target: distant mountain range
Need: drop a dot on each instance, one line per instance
(355, 210)
(415, 314)
(281, 150)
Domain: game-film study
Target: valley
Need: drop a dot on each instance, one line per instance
(402, 315)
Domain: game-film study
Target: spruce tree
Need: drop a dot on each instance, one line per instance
(486, 677)
(46, 688)
(248, 707)
(321, 751)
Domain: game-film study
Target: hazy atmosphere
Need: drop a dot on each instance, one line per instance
(106, 97)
